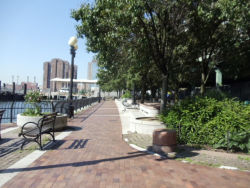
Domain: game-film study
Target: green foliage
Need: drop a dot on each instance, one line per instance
(127, 95)
(244, 158)
(216, 94)
(208, 121)
(141, 42)
(33, 98)
(83, 92)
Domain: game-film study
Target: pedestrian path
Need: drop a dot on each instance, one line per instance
(95, 155)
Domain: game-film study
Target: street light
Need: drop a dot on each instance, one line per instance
(73, 47)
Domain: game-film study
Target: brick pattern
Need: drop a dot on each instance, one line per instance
(7, 125)
(10, 145)
(9, 149)
(105, 160)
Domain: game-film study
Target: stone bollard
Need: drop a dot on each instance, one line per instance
(164, 140)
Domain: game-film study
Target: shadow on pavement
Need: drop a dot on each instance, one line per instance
(72, 128)
(76, 144)
(76, 164)
(5, 140)
(84, 118)
(181, 152)
(184, 151)
(15, 145)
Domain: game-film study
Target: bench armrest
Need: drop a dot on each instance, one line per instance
(21, 133)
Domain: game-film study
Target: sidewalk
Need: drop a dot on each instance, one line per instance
(95, 155)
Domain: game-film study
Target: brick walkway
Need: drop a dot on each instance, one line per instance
(96, 156)
(7, 125)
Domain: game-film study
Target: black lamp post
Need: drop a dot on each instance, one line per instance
(73, 48)
(134, 101)
(99, 94)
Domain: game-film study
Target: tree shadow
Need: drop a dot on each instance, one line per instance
(90, 114)
(75, 164)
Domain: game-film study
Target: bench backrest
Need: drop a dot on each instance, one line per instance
(48, 120)
(1, 115)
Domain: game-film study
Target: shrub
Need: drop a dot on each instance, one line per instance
(208, 121)
(217, 94)
(33, 98)
(127, 94)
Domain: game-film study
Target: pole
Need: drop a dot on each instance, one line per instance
(71, 107)
(13, 88)
(25, 89)
(99, 100)
(134, 94)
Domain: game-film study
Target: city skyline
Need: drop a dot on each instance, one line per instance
(33, 32)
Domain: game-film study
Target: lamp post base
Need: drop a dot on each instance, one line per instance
(71, 111)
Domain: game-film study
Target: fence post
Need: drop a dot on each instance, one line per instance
(11, 112)
(13, 88)
(25, 89)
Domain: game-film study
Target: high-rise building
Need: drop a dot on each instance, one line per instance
(56, 68)
(92, 72)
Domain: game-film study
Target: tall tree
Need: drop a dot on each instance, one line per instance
(216, 26)
(161, 24)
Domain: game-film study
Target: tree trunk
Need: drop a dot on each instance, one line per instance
(143, 91)
(153, 92)
(176, 96)
(163, 93)
(202, 91)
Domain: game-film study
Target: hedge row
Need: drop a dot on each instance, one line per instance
(221, 123)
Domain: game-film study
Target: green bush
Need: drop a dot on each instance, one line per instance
(208, 121)
(216, 94)
(34, 98)
(127, 94)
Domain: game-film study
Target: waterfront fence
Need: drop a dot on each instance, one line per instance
(12, 108)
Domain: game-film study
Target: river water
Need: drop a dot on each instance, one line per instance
(18, 107)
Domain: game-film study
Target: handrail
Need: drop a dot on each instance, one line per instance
(12, 108)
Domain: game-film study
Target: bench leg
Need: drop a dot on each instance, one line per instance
(23, 144)
(52, 135)
(40, 142)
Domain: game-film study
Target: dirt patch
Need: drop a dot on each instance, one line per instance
(208, 157)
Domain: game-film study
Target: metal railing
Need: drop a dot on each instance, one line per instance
(12, 108)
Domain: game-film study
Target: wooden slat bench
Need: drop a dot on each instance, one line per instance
(46, 125)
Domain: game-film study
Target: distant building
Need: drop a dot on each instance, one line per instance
(92, 72)
(19, 88)
(30, 85)
(56, 68)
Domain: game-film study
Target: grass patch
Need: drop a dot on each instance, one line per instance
(198, 162)
(244, 158)
(35, 146)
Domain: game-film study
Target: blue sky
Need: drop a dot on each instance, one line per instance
(35, 31)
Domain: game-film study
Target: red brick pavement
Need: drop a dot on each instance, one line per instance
(7, 125)
(103, 159)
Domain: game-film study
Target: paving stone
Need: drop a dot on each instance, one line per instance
(107, 161)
